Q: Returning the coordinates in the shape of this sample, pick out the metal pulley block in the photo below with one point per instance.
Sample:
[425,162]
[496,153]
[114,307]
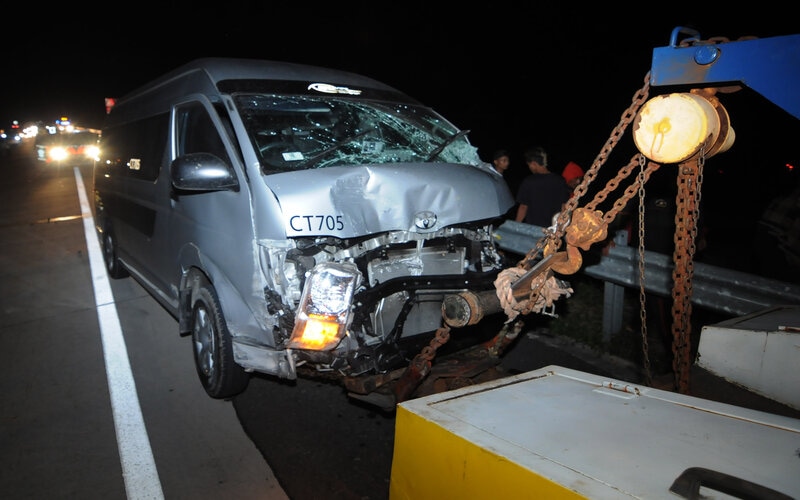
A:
[586,228]
[673,128]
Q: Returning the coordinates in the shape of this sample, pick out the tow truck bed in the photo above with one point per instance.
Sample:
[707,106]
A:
[561,433]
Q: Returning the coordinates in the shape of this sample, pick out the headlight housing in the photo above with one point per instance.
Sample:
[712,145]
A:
[325,306]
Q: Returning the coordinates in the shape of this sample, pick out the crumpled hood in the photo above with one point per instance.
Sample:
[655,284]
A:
[354,201]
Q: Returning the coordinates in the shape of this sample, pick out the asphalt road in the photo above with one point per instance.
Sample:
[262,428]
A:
[62,434]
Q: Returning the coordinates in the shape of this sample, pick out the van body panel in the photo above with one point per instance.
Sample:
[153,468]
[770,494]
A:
[139,221]
[328,213]
[350,202]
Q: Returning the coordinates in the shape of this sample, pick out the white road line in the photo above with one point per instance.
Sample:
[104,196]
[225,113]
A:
[138,466]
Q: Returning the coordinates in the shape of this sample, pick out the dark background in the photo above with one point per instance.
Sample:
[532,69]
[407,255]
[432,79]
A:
[515,74]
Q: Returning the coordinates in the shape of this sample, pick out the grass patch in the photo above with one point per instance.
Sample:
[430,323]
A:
[580,317]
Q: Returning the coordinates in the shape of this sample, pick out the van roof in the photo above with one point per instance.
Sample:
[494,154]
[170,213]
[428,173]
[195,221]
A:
[219,69]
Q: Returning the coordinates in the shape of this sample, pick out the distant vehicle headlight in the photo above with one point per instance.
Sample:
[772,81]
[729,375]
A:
[58,153]
[92,152]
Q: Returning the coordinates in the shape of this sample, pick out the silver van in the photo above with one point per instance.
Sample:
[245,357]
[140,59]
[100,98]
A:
[294,219]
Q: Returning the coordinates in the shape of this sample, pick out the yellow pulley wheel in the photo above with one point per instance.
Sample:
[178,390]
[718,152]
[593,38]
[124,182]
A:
[672,128]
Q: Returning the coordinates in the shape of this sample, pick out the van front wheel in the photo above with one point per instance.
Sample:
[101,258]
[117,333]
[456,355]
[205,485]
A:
[213,347]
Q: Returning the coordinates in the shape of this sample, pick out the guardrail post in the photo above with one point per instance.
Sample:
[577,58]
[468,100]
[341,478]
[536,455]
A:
[614,297]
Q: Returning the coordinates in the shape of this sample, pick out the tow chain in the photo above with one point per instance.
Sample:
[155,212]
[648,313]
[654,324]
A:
[687,214]
[420,366]
[584,226]
[648,377]
[587,225]
[552,239]
[422,361]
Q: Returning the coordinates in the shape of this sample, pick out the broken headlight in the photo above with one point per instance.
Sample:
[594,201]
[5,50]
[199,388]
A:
[325,306]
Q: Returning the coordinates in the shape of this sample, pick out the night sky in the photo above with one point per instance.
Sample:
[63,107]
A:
[515,74]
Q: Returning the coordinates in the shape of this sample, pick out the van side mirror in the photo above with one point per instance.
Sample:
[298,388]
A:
[202,172]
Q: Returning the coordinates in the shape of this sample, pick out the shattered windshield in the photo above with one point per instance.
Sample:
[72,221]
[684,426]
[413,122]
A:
[300,132]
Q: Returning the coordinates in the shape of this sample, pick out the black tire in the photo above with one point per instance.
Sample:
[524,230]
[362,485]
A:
[213,347]
[114,267]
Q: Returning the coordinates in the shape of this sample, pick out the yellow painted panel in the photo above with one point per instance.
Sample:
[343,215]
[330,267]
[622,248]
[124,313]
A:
[424,467]
[565,434]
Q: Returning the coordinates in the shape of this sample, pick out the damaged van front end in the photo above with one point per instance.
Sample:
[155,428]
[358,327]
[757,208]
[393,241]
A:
[368,293]
[387,209]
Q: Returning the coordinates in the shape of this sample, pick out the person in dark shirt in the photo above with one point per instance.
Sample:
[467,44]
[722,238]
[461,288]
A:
[542,194]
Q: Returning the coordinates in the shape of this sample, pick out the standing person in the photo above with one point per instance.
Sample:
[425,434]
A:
[501,161]
[573,175]
[543,193]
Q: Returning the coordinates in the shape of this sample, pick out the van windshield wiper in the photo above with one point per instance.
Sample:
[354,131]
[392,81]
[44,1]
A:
[436,152]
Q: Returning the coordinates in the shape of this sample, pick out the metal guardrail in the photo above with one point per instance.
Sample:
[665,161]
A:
[714,288]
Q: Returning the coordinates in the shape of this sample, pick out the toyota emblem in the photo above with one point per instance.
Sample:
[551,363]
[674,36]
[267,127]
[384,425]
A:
[425,220]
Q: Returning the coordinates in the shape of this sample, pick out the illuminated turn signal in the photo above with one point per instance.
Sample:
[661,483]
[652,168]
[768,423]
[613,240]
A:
[316,332]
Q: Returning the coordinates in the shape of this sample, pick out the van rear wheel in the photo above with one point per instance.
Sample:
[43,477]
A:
[213,346]
[114,267]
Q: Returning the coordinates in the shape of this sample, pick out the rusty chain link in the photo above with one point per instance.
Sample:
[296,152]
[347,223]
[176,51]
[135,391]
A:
[642,291]
[552,239]
[423,360]
[687,214]
[689,181]
[629,192]
[690,178]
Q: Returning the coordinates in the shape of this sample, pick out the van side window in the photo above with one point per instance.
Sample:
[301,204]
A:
[136,149]
[196,132]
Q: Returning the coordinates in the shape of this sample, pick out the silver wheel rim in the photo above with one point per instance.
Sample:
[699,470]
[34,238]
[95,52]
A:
[108,250]
[204,341]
